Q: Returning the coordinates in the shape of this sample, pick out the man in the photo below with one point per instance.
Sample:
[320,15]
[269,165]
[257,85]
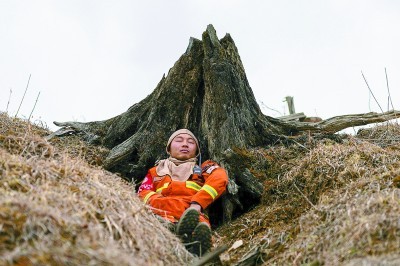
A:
[179,190]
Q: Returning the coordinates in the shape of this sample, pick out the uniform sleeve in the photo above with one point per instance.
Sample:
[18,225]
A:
[216,180]
[146,190]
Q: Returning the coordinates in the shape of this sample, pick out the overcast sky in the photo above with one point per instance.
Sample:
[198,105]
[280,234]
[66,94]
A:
[92,60]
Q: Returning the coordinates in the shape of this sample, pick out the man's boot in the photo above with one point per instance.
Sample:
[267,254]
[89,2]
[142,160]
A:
[202,239]
[187,223]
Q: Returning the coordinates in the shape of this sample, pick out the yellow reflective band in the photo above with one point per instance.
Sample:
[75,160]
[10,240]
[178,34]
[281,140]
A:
[148,196]
[193,185]
[210,190]
[161,188]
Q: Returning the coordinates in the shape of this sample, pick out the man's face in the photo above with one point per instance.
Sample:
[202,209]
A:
[183,147]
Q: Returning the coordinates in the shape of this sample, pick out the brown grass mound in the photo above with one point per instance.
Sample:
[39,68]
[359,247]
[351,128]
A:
[59,210]
[325,203]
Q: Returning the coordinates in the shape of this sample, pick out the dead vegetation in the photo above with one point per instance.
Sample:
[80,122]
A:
[326,202]
[56,209]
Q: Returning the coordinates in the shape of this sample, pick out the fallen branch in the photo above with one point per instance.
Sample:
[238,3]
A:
[208,257]
[337,123]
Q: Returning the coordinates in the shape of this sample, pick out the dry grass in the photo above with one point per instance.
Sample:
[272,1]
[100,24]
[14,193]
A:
[355,210]
[384,135]
[325,203]
[56,209]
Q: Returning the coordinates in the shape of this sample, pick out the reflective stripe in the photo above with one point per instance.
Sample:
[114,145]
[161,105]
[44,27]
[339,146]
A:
[212,168]
[161,188]
[148,196]
[193,185]
[210,190]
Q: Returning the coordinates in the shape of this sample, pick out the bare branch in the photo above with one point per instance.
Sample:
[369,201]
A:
[27,85]
[34,106]
[371,92]
[389,96]
[8,103]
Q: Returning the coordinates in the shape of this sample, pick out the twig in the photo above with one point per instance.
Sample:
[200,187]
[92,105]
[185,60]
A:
[304,147]
[294,184]
[34,106]
[27,85]
[251,257]
[142,207]
[263,105]
[210,256]
[371,91]
[389,96]
[8,103]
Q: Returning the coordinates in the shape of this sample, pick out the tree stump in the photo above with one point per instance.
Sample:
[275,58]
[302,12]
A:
[206,91]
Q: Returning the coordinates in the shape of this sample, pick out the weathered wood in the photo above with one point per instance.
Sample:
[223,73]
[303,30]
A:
[210,256]
[290,102]
[292,117]
[61,132]
[337,123]
[251,186]
[311,119]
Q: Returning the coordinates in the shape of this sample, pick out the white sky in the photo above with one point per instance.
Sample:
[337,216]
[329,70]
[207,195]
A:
[92,60]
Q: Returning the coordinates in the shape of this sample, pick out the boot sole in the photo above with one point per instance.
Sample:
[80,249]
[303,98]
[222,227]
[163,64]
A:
[187,223]
[201,239]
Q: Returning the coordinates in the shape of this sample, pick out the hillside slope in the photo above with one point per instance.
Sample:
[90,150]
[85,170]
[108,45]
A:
[326,202]
[57,209]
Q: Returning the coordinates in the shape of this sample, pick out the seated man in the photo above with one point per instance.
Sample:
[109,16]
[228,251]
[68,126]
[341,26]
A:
[179,190]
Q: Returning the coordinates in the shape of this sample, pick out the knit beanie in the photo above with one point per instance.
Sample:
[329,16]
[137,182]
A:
[183,131]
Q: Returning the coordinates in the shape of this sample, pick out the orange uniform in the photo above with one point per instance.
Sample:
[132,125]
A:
[169,198]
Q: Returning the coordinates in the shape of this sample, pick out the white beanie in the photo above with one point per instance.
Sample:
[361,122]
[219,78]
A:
[182,131]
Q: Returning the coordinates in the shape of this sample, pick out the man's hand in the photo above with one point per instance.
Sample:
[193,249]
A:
[195,206]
